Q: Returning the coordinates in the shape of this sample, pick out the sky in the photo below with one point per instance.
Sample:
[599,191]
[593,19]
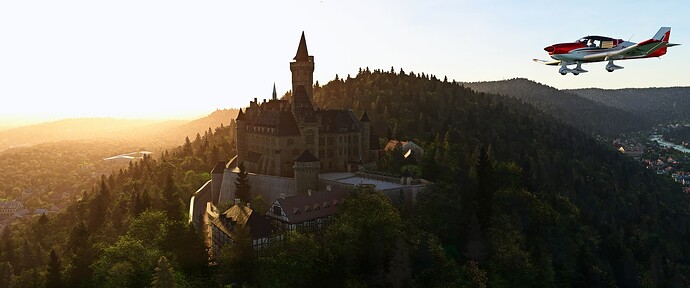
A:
[183,59]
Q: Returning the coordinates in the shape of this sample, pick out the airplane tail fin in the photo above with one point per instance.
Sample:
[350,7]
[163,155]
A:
[663,34]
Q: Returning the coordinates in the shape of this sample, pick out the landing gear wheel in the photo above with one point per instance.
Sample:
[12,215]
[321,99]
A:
[576,73]
[610,70]
[563,73]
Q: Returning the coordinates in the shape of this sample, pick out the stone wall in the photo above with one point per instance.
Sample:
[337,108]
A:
[269,187]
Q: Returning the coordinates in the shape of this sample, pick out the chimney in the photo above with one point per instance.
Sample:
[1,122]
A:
[281,195]
[238,201]
[309,192]
[249,205]
[328,188]
[255,100]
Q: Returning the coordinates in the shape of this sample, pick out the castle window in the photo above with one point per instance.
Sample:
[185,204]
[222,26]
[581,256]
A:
[355,138]
[321,141]
[330,140]
[290,141]
[310,137]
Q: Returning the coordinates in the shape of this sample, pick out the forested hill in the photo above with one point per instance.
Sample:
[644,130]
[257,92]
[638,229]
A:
[660,104]
[586,114]
[519,200]
[554,207]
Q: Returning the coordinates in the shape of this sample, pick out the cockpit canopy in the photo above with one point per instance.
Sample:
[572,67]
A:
[599,41]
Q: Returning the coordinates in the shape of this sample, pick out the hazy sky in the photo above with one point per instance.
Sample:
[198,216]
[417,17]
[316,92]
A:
[155,59]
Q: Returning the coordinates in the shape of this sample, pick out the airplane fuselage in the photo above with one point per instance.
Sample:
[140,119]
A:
[579,52]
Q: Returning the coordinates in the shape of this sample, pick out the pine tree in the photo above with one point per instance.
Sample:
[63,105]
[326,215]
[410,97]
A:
[80,246]
[98,206]
[475,249]
[5,274]
[173,203]
[163,277]
[145,201]
[27,257]
[54,270]
[242,187]
[485,189]
[187,148]
[8,247]
[238,259]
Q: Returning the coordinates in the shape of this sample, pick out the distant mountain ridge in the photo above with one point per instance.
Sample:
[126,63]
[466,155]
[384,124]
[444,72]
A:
[663,105]
[170,132]
[582,112]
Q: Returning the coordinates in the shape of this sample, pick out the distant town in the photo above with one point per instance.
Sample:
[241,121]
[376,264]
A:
[658,153]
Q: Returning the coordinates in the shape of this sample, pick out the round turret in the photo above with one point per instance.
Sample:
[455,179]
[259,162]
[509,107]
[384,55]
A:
[306,168]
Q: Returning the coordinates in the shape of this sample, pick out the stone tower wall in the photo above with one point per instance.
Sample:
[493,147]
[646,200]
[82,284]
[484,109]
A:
[303,74]
[306,176]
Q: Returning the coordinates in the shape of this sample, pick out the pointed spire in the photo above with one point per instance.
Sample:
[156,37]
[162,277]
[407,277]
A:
[302,53]
[240,115]
[275,95]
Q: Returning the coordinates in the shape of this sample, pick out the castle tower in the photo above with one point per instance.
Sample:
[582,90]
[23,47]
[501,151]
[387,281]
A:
[306,172]
[303,69]
[241,132]
[366,137]
[275,95]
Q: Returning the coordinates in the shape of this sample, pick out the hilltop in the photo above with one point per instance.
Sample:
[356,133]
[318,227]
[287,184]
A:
[584,113]
[661,105]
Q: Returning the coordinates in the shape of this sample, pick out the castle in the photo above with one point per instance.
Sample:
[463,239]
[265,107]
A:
[293,138]
[301,159]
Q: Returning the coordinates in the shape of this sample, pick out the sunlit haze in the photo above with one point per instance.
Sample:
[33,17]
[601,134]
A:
[181,59]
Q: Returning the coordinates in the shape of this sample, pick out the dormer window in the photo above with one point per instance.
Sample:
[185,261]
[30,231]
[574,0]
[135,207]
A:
[307,208]
[295,211]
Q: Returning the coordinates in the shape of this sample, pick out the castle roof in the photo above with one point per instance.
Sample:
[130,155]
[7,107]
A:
[306,156]
[287,126]
[319,204]
[301,105]
[302,53]
[242,215]
[273,114]
[338,121]
[365,117]
[240,115]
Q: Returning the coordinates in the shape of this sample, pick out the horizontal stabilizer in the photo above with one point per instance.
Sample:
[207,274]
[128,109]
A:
[551,63]
[671,44]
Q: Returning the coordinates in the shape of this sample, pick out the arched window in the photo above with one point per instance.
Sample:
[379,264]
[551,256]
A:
[310,137]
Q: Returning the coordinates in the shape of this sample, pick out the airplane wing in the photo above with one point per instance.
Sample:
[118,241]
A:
[550,63]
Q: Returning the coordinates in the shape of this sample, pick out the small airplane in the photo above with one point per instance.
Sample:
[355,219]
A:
[600,48]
